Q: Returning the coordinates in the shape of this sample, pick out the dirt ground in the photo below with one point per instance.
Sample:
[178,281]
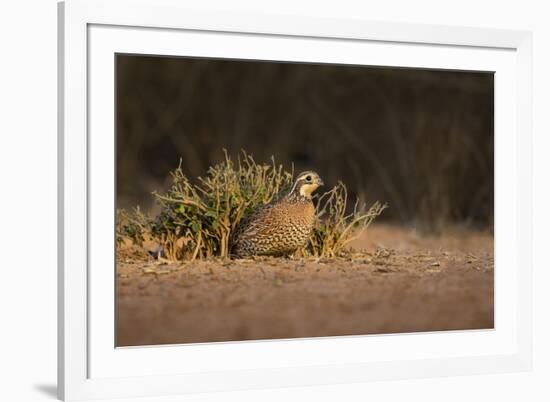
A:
[399,282]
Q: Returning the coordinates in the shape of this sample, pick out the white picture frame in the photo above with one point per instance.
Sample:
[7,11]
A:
[91,32]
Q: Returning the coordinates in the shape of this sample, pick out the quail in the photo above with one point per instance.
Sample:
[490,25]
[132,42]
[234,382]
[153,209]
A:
[282,227]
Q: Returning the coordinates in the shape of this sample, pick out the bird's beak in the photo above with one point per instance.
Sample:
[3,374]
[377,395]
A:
[320,182]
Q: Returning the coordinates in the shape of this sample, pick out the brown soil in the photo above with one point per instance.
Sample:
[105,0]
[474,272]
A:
[400,282]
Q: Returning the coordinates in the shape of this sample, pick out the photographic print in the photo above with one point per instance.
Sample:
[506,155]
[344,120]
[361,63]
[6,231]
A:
[263,200]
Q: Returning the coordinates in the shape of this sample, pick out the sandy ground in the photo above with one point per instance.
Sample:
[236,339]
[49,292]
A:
[400,282]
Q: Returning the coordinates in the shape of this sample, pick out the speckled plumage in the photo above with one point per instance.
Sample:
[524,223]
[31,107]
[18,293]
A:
[282,227]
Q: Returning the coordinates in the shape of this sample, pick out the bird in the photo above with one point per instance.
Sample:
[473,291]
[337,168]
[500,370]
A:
[281,227]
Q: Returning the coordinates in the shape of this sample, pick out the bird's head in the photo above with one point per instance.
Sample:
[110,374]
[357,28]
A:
[306,183]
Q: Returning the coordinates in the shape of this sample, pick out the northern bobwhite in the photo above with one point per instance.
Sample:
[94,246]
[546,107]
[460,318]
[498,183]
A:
[282,227]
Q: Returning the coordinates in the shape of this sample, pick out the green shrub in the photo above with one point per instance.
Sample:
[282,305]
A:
[197,219]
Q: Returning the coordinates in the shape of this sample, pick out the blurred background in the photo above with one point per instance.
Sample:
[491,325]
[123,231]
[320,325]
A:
[419,140]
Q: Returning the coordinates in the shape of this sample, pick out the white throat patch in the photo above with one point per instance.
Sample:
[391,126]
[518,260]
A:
[307,189]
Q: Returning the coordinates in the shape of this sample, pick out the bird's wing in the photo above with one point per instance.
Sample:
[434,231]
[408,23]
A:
[257,223]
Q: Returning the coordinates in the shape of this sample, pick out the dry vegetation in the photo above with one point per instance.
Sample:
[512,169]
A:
[420,140]
[197,219]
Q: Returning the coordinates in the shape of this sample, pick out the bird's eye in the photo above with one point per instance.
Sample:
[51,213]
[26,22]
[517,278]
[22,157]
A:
[308,178]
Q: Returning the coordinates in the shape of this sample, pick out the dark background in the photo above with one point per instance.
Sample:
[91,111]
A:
[419,140]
